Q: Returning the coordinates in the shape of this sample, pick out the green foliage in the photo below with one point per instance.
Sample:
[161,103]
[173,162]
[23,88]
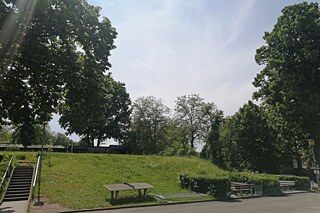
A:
[301,183]
[289,85]
[150,120]
[4,162]
[60,139]
[213,148]
[20,157]
[99,109]
[243,141]
[70,174]
[219,187]
[5,136]
[270,184]
[44,47]
[193,115]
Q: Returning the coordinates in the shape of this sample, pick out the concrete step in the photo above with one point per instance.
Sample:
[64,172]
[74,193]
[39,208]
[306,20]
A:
[8,199]
[18,188]
[25,194]
[18,192]
[22,179]
[19,185]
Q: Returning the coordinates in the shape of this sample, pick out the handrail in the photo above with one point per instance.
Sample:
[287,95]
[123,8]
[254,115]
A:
[36,175]
[5,174]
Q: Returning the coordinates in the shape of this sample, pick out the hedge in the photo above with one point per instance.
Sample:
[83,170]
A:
[219,187]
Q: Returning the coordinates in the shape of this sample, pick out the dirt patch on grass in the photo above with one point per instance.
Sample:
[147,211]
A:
[45,206]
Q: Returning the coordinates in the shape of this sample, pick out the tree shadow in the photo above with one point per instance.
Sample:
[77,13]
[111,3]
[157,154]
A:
[131,200]
[6,210]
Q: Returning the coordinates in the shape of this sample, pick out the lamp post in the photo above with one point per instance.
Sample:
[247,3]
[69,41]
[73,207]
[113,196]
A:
[314,164]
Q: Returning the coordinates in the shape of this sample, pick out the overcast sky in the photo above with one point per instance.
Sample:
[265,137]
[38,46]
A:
[170,48]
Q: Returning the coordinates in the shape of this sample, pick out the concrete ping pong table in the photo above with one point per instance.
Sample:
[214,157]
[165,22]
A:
[115,188]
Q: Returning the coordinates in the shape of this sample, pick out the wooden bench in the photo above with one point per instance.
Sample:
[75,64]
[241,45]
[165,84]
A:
[116,188]
[286,184]
[240,188]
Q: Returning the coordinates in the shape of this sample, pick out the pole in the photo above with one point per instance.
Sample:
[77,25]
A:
[316,169]
[40,166]
[39,177]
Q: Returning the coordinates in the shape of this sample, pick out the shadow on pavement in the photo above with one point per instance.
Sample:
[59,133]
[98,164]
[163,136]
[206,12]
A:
[6,210]
[128,200]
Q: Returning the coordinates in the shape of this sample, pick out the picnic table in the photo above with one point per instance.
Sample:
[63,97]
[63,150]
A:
[116,188]
[239,187]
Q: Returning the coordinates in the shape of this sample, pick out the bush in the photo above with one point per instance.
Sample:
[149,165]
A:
[20,157]
[12,148]
[219,187]
[270,184]
[301,183]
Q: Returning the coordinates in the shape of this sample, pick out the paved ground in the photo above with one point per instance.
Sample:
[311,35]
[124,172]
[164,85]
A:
[293,203]
[14,206]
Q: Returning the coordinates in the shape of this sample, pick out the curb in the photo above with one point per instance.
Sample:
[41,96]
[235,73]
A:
[131,207]
[176,203]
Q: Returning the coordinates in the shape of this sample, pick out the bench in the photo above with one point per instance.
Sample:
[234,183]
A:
[286,184]
[116,188]
[240,188]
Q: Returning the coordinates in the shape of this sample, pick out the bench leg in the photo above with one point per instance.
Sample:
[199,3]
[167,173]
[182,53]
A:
[145,192]
[117,192]
[112,193]
[139,192]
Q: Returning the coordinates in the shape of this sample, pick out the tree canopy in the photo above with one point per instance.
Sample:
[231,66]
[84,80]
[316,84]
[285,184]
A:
[44,48]
[149,125]
[193,115]
[289,82]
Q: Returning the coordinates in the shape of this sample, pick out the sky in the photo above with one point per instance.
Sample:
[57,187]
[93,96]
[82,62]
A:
[170,48]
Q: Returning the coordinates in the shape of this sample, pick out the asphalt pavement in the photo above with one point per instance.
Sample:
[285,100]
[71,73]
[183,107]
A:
[293,203]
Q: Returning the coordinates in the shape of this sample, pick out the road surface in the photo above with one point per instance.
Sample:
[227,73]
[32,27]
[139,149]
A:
[293,203]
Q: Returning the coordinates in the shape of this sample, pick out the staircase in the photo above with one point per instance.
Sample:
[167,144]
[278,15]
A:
[20,183]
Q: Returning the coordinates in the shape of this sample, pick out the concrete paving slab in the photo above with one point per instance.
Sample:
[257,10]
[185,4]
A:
[14,206]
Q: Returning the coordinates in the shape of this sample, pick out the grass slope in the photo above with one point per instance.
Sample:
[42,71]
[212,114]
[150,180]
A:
[76,180]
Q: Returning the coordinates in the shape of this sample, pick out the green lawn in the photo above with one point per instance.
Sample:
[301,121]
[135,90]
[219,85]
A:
[76,180]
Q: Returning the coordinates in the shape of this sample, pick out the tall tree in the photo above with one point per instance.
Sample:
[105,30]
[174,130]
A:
[193,114]
[43,45]
[253,140]
[289,82]
[149,124]
[213,147]
[97,109]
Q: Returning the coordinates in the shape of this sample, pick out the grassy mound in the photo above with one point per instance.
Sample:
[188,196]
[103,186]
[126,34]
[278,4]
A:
[76,180]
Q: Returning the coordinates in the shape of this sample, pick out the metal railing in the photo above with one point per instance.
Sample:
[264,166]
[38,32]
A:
[6,173]
[36,176]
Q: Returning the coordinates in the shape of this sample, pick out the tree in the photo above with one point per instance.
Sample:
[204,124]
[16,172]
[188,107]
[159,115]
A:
[30,134]
[97,109]
[60,139]
[193,115]
[149,123]
[44,45]
[177,142]
[213,145]
[289,83]
[244,141]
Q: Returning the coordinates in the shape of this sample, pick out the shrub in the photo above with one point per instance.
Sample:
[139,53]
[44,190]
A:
[20,157]
[219,187]
[301,183]
[13,148]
